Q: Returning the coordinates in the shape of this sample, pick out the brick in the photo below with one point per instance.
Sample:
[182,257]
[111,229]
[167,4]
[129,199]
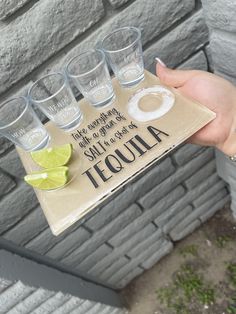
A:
[8,7]
[7,184]
[27,228]
[4,283]
[150,179]
[220,14]
[110,211]
[139,224]
[85,306]
[156,237]
[190,222]
[113,268]
[95,257]
[148,216]
[31,302]
[48,27]
[117,311]
[111,310]
[230,170]
[118,3]
[152,19]
[178,234]
[16,205]
[223,45]
[57,247]
[209,57]
[169,222]
[124,248]
[221,164]
[97,308]
[201,174]
[181,174]
[165,249]
[220,204]
[42,242]
[11,163]
[132,191]
[67,307]
[206,206]
[129,277]
[186,153]
[197,62]
[209,193]
[183,202]
[5,144]
[159,192]
[51,304]
[103,235]
[14,294]
[181,42]
[70,242]
[146,254]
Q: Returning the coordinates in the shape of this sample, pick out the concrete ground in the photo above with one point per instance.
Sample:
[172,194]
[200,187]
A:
[198,277]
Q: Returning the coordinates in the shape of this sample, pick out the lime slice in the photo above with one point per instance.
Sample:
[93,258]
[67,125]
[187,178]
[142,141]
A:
[53,156]
[48,179]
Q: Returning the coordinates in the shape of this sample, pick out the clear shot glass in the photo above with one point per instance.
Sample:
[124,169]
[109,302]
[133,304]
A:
[89,73]
[54,97]
[20,124]
[123,50]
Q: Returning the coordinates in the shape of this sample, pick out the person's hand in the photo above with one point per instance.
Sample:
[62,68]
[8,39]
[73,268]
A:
[215,93]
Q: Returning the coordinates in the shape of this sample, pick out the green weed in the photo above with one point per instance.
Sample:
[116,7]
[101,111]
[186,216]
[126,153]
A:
[232,273]
[222,241]
[189,250]
[187,287]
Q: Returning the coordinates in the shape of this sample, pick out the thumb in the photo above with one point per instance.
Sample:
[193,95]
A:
[174,78]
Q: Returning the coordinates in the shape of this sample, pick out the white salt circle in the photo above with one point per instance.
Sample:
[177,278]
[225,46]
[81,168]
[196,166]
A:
[168,100]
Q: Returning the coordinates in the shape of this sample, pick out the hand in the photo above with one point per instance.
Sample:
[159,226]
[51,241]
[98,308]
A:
[215,93]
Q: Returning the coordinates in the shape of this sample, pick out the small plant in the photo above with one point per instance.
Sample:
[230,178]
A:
[189,250]
[222,241]
[187,287]
[192,285]
[168,297]
[231,309]
[232,273]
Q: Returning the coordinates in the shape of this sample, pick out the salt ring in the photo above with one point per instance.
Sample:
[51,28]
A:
[168,100]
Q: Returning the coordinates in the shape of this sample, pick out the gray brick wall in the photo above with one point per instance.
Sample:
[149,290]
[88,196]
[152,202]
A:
[220,18]
[17,297]
[140,225]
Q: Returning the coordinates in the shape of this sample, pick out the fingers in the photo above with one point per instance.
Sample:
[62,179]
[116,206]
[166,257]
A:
[174,78]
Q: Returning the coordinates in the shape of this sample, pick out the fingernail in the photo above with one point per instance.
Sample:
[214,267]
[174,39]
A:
[161,62]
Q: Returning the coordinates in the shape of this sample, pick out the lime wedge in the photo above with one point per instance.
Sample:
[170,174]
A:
[48,179]
[53,156]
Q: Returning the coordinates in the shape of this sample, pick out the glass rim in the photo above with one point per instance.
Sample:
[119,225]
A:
[135,29]
[22,113]
[81,54]
[53,95]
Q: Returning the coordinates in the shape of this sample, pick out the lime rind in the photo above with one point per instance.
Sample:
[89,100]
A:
[48,179]
[53,156]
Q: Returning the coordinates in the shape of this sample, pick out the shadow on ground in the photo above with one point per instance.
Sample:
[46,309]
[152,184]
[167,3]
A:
[198,277]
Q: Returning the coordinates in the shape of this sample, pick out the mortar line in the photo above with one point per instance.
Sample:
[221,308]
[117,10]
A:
[172,27]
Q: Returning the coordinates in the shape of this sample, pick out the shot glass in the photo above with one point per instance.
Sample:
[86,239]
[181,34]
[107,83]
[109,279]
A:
[89,73]
[54,97]
[20,124]
[123,50]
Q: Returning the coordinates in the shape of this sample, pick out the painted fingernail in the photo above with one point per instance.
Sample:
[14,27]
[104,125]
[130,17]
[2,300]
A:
[161,62]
